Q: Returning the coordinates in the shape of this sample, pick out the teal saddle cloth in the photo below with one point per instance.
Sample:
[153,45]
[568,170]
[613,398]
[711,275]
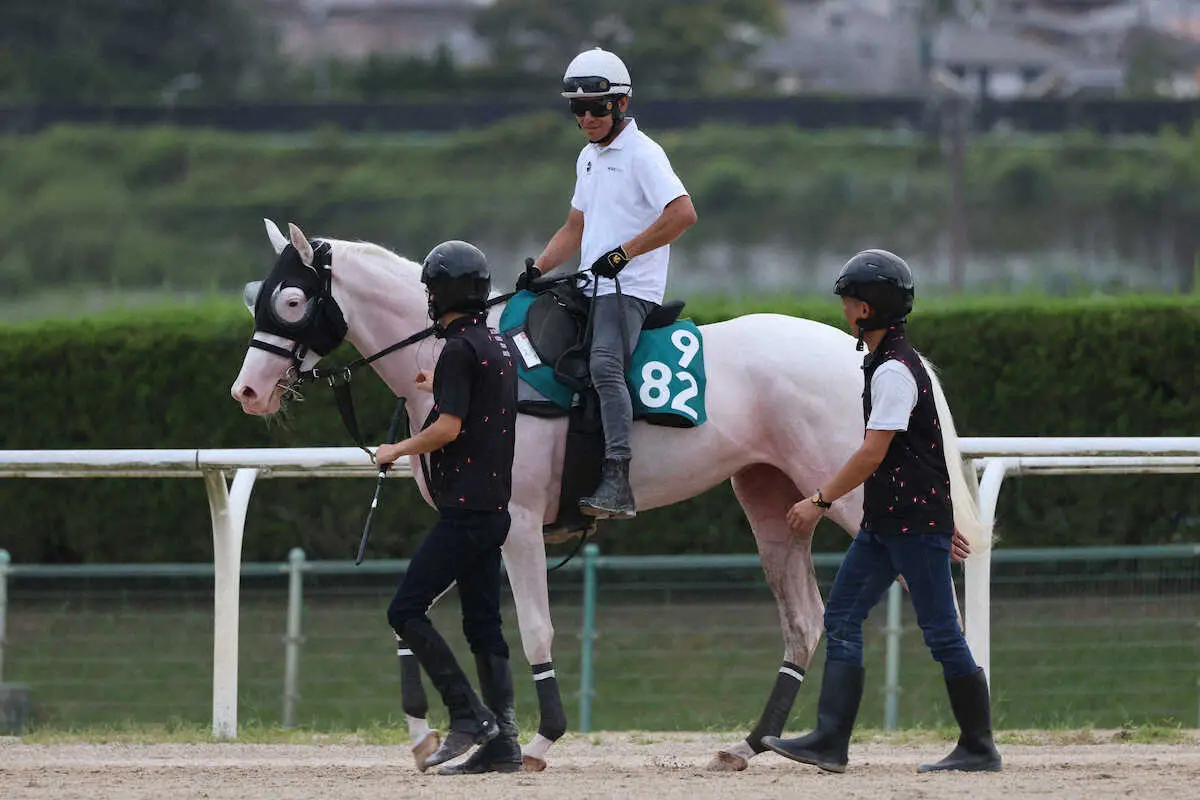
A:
[665,376]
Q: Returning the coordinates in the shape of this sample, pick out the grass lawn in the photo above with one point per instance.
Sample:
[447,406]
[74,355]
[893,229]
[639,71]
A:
[692,658]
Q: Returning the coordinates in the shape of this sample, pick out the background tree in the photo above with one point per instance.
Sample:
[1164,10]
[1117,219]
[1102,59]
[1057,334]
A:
[131,50]
[670,47]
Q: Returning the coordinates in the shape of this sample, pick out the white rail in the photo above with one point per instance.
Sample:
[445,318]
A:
[992,458]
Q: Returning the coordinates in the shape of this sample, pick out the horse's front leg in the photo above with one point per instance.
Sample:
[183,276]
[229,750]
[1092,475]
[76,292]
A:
[425,740]
[765,494]
[525,562]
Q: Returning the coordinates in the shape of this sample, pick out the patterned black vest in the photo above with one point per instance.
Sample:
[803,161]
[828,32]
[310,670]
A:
[910,491]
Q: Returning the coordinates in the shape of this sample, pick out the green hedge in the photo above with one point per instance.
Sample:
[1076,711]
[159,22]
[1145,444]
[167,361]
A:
[1011,367]
[180,209]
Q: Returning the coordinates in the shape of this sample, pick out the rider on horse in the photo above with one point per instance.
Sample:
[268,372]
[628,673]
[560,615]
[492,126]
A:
[627,208]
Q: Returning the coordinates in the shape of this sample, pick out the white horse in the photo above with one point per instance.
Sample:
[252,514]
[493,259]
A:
[783,403]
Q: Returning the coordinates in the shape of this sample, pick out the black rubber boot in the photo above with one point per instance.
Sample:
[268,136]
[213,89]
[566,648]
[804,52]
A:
[975,751]
[471,722]
[502,754]
[828,746]
[613,499]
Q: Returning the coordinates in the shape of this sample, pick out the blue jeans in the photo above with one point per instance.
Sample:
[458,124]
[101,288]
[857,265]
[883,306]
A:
[871,565]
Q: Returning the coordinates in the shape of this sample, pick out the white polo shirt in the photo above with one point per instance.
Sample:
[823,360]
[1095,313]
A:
[622,188]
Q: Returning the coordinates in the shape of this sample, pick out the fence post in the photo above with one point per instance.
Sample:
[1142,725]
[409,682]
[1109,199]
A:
[891,689]
[227,508]
[293,639]
[4,562]
[588,634]
[978,572]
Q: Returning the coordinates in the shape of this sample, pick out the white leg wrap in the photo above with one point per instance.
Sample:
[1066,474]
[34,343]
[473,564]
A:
[538,746]
[418,728]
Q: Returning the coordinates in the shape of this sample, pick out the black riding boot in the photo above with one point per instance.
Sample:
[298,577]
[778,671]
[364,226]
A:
[502,754]
[471,722]
[613,499]
[975,751]
[828,746]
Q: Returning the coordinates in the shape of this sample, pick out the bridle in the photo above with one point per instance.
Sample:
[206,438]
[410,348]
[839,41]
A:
[320,309]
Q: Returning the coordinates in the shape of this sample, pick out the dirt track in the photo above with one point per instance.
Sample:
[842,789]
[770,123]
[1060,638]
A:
[657,766]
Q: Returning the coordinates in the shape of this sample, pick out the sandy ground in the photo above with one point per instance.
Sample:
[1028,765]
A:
[657,766]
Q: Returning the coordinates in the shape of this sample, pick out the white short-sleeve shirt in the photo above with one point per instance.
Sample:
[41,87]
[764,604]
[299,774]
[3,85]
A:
[622,188]
[893,397]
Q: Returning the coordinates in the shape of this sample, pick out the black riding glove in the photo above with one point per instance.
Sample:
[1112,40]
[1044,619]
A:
[526,278]
[612,262]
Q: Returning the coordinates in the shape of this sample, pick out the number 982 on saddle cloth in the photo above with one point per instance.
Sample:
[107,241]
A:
[665,376]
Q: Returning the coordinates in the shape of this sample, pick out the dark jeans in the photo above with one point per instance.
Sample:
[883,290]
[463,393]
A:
[871,565]
[610,354]
[464,546]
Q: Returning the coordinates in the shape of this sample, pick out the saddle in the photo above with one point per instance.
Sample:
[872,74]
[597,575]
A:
[557,328]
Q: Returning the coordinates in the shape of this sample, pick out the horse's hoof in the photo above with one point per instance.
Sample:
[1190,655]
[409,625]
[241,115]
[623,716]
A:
[425,747]
[532,764]
[725,761]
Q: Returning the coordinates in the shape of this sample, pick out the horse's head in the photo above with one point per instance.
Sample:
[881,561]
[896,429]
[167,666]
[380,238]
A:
[296,320]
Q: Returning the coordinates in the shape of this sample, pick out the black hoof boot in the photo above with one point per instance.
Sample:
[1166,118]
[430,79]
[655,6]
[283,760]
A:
[458,742]
[503,753]
[828,746]
[471,722]
[613,498]
[976,750]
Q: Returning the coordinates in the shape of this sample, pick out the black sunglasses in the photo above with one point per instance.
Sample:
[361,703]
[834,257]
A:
[599,106]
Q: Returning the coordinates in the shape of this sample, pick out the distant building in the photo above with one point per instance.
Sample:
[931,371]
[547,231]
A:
[354,29]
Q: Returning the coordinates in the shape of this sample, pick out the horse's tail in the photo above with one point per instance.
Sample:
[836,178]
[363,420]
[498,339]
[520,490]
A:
[963,492]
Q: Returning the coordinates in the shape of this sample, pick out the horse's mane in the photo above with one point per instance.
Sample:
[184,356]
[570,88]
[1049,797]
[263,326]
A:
[392,260]
[372,251]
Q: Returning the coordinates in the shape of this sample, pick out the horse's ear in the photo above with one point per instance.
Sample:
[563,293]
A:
[278,240]
[300,242]
[250,295]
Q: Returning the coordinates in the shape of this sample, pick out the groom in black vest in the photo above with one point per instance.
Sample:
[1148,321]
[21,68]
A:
[907,529]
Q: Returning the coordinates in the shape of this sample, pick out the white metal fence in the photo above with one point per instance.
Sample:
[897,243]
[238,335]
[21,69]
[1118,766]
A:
[994,458]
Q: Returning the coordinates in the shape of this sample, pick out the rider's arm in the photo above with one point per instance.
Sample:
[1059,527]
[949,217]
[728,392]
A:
[677,217]
[563,244]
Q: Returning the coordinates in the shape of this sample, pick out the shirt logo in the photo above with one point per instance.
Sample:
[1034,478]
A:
[588,169]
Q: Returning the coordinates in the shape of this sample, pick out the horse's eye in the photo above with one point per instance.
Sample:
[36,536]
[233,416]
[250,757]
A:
[291,305]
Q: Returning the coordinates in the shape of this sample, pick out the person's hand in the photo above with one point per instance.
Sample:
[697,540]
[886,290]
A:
[424,381]
[802,518]
[526,278]
[386,454]
[960,547]
[609,264]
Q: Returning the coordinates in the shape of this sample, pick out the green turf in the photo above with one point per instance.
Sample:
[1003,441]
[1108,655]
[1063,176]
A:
[685,659]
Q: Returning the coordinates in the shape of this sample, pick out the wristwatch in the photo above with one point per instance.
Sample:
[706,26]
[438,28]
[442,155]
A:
[819,501]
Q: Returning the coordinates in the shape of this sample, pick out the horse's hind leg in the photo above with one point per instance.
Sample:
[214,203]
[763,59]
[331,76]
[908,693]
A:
[766,494]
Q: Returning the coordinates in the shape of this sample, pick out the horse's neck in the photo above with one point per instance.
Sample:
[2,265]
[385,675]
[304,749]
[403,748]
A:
[384,304]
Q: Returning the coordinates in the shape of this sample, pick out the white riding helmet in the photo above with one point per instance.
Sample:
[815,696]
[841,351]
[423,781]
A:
[596,73]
